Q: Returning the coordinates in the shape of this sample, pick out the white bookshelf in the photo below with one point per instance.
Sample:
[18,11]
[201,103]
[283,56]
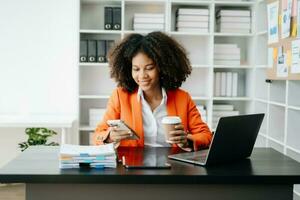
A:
[278,99]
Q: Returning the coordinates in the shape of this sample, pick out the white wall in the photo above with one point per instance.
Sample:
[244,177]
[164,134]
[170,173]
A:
[38,61]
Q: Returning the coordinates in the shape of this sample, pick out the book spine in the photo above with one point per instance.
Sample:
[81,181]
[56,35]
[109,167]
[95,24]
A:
[223,83]
[234,19]
[229,84]
[192,24]
[191,11]
[148,26]
[149,15]
[192,18]
[233,25]
[234,84]
[148,20]
[237,13]
[199,30]
[218,84]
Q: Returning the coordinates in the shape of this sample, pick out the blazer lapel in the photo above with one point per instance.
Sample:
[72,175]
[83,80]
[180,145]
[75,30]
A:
[171,103]
[137,117]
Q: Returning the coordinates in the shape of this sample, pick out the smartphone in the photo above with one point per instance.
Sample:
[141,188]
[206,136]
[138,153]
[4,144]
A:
[121,125]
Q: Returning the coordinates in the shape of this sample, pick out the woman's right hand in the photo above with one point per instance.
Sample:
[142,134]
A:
[116,135]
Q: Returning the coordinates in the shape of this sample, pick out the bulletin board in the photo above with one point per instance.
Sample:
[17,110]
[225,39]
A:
[282,52]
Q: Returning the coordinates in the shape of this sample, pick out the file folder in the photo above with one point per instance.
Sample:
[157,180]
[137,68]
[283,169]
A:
[83,50]
[101,52]
[108,18]
[116,18]
[92,50]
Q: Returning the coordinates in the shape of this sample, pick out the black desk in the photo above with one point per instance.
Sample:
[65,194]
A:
[266,175]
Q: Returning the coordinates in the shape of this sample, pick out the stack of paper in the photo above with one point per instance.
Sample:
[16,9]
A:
[233,21]
[222,110]
[227,54]
[226,84]
[148,22]
[192,20]
[75,156]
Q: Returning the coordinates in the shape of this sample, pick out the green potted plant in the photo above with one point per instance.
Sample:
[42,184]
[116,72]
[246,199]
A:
[37,136]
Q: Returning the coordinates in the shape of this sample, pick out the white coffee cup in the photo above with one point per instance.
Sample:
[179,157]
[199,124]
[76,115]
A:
[169,123]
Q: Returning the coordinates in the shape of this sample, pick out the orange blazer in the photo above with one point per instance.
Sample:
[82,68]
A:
[126,106]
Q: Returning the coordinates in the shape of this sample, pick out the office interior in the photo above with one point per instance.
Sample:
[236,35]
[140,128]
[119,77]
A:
[45,83]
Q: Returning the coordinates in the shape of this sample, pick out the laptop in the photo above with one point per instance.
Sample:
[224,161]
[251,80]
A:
[233,139]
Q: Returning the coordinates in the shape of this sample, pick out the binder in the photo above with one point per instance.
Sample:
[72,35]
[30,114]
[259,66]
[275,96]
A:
[92,44]
[83,50]
[101,51]
[108,18]
[116,18]
[109,45]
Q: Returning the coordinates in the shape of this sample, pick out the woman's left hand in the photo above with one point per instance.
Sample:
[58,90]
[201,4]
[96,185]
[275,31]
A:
[178,136]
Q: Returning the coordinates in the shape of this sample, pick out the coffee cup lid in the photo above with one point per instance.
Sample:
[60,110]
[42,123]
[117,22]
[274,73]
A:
[171,120]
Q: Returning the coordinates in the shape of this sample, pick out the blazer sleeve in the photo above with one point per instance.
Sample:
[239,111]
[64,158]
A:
[199,132]
[112,112]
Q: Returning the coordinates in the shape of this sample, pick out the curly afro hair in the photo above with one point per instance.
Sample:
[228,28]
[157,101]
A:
[167,54]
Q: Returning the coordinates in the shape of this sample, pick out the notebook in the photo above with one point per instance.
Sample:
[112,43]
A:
[233,140]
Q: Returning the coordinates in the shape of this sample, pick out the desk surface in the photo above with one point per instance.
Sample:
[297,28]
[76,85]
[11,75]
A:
[40,165]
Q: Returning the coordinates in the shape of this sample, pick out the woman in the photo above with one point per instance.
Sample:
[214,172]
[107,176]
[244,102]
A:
[149,71]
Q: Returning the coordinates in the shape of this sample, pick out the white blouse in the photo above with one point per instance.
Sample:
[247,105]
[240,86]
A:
[154,134]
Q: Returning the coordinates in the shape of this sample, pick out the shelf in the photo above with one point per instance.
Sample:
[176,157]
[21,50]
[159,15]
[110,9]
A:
[261,66]
[273,140]
[294,108]
[277,104]
[201,66]
[233,98]
[135,2]
[93,64]
[94,97]
[260,33]
[261,100]
[86,128]
[234,66]
[234,3]
[234,34]
[190,33]
[94,31]
[200,98]
[191,2]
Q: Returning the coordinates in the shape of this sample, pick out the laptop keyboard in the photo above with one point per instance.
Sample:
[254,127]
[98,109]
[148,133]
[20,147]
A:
[200,156]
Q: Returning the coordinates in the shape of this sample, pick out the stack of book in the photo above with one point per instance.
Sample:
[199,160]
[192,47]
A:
[76,156]
[95,116]
[202,111]
[148,22]
[192,20]
[227,54]
[226,84]
[222,110]
[233,21]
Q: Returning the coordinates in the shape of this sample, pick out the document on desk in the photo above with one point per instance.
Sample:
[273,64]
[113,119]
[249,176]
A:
[81,150]
[76,156]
